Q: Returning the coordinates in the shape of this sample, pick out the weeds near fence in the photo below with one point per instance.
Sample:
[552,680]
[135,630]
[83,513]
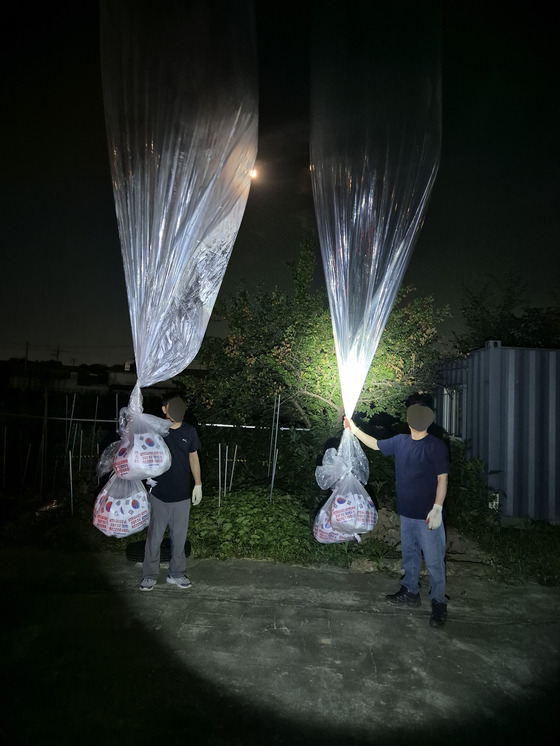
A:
[250,523]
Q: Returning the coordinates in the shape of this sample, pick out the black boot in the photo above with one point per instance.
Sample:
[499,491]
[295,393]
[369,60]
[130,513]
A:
[403,598]
[439,614]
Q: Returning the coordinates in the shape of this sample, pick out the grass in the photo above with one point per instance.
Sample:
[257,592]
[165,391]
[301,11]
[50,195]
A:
[530,552]
[248,524]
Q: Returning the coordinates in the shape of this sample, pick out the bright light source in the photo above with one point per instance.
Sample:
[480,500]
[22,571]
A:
[253,173]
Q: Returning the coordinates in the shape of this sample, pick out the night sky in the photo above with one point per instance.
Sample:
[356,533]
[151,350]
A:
[494,208]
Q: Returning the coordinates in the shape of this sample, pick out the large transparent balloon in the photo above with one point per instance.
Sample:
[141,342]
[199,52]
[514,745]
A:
[375,147]
[181,109]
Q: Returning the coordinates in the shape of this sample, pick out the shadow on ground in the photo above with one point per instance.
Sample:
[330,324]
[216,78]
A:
[85,662]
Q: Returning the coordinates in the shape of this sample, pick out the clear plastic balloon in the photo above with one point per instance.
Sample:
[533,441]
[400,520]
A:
[181,110]
[375,147]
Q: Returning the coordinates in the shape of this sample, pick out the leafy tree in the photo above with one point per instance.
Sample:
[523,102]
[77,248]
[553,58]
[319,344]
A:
[407,357]
[279,343]
[498,309]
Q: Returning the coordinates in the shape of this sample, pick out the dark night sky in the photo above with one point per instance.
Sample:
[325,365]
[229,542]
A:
[494,208]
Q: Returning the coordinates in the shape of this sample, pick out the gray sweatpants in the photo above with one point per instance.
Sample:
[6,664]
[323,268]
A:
[176,516]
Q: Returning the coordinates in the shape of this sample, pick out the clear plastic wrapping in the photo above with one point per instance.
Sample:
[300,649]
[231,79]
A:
[181,110]
[349,511]
[375,147]
[141,452]
[337,463]
[121,508]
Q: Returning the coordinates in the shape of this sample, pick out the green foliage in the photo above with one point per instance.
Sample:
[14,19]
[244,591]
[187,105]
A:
[249,524]
[528,553]
[407,356]
[531,553]
[467,502]
[297,452]
[498,309]
[282,344]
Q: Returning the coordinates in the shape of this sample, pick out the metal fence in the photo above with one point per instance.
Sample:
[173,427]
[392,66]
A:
[48,439]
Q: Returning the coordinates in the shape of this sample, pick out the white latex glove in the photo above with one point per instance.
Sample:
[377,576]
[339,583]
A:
[433,519]
[196,494]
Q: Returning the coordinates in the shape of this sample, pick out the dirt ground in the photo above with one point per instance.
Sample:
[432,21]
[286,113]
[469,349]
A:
[258,652]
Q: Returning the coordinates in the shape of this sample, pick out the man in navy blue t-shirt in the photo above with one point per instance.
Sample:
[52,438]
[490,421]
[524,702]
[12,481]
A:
[170,499]
[421,469]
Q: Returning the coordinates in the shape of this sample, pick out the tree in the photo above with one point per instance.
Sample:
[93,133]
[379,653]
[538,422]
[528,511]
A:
[282,344]
[498,309]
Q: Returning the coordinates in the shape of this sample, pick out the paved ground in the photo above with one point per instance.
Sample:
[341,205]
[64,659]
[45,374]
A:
[259,653]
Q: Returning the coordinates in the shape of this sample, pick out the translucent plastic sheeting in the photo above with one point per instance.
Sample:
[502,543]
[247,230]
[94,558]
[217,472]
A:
[181,110]
[141,452]
[338,462]
[121,508]
[349,511]
[375,146]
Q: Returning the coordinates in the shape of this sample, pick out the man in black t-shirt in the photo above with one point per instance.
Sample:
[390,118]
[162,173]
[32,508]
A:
[421,470]
[170,499]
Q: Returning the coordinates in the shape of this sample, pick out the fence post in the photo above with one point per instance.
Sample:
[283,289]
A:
[232,467]
[272,435]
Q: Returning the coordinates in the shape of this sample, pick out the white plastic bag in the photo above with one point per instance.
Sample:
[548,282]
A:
[352,509]
[121,508]
[349,511]
[142,456]
[349,457]
[323,530]
[141,452]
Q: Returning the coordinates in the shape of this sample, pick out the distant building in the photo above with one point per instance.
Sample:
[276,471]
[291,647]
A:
[49,410]
[81,393]
[36,376]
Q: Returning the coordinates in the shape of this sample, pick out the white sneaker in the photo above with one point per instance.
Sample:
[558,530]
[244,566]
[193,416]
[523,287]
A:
[180,582]
[147,584]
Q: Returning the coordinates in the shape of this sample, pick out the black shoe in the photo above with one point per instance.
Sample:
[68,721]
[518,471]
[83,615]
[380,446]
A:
[403,598]
[439,614]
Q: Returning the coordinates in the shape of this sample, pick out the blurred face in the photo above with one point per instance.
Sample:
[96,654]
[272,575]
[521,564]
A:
[419,418]
[174,410]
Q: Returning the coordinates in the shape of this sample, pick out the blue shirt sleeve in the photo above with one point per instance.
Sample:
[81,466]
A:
[441,458]
[387,446]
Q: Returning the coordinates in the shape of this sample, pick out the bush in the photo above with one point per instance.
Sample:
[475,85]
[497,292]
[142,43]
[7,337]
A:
[467,503]
[528,553]
[249,524]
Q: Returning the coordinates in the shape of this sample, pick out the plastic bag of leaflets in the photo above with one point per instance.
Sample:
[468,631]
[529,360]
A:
[121,508]
[349,511]
[141,452]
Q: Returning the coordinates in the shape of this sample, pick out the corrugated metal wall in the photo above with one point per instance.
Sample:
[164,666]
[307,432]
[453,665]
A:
[510,418]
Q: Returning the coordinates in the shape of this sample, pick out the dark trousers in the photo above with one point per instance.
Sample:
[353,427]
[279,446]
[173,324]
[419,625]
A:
[176,516]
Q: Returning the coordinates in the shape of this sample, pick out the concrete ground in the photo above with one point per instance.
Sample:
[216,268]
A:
[261,653]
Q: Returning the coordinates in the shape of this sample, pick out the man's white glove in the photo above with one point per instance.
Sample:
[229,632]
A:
[433,519]
[196,494]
